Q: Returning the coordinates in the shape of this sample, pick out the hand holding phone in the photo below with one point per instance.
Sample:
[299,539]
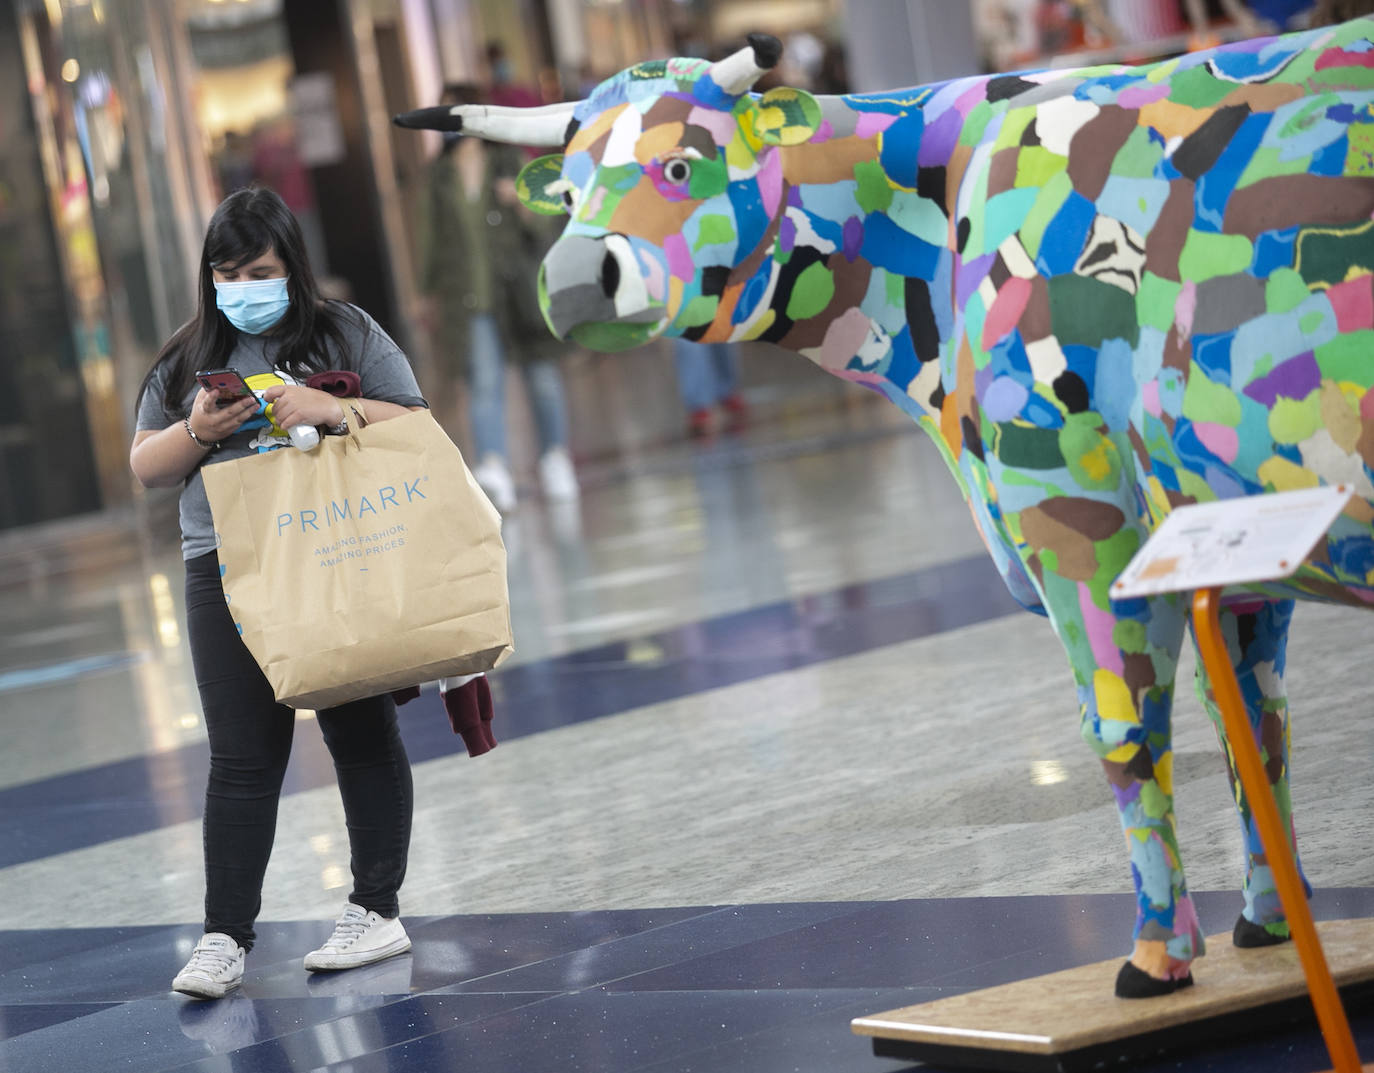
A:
[233,388]
[230,385]
[224,403]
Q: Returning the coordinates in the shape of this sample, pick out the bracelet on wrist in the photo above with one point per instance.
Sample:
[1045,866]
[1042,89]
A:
[341,429]
[202,444]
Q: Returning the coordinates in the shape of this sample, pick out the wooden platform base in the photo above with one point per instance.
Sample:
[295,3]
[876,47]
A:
[1068,1021]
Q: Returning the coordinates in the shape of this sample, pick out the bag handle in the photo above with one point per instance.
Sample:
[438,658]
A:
[356,424]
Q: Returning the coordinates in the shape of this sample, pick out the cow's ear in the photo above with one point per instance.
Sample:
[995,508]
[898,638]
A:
[787,116]
[533,182]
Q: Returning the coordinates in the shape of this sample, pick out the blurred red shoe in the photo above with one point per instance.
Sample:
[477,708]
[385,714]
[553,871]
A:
[699,423]
[736,412]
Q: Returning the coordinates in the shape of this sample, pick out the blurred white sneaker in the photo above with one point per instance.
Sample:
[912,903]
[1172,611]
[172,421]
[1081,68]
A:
[556,474]
[360,938]
[494,477]
[215,968]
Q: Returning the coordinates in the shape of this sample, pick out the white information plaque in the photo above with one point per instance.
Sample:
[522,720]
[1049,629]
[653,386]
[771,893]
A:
[1232,541]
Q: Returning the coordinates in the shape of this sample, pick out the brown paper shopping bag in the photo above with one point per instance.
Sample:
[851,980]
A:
[371,563]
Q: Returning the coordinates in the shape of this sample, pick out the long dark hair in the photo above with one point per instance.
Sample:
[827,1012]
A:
[247,224]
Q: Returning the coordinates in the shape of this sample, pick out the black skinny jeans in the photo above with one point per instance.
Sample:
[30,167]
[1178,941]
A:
[250,742]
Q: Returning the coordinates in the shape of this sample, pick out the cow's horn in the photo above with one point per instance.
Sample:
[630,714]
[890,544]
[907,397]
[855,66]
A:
[544,126]
[738,72]
[441,118]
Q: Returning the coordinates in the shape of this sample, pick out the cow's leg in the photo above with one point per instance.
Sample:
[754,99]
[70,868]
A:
[1256,637]
[1124,657]
[1126,718]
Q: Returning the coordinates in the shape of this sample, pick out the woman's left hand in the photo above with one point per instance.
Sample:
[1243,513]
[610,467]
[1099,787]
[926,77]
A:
[295,404]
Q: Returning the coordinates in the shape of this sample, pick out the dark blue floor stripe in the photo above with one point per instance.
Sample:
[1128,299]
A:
[18,1020]
[94,805]
[764,988]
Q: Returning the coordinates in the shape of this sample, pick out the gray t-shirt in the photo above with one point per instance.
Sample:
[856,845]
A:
[382,367]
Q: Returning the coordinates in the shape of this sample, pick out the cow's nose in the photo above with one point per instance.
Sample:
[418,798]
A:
[574,279]
[610,275]
[594,279]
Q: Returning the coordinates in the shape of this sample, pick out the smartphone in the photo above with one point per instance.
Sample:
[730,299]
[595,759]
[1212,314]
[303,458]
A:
[230,384]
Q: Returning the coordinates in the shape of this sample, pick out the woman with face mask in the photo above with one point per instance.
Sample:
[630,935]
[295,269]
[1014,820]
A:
[260,312]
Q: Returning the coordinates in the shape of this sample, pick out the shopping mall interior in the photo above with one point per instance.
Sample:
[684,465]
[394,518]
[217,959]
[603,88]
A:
[776,748]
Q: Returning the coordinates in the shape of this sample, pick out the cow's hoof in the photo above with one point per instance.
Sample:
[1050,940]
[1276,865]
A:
[1247,935]
[1136,983]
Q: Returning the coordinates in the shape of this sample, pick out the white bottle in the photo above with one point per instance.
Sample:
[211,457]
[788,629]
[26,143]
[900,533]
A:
[306,437]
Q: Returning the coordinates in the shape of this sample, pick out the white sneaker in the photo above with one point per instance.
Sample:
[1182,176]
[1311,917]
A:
[215,968]
[494,477]
[556,474]
[360,938]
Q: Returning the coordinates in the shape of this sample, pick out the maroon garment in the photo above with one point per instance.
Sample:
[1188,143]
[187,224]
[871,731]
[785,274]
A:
[469,713]
[340,383]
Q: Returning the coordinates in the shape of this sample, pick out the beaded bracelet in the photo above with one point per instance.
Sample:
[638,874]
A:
[199,442]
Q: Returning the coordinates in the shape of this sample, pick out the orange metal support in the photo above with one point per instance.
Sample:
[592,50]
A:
[1250,768]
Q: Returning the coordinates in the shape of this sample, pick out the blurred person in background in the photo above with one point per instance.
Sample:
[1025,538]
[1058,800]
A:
[235,163]
[1251,18]
[1328,12]
[480,251]
[503,89]
[276,163]
[708,377]
[1141,21]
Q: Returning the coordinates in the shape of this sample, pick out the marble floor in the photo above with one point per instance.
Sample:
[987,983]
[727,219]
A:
[776,751]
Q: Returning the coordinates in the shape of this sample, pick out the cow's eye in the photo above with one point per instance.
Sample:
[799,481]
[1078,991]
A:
[677,170]
[564,191]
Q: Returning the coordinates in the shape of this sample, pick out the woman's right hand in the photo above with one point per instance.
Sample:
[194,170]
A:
[212,422]
[163,458]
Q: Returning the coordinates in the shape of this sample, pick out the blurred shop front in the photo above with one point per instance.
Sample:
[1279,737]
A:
[131,119]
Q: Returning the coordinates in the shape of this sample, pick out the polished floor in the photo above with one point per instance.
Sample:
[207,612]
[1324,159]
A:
[776,751]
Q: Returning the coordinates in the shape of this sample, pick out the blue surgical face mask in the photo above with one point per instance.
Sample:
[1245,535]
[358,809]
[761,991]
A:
[254,305]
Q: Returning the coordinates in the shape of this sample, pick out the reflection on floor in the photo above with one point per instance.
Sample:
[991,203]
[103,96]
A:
[777,751]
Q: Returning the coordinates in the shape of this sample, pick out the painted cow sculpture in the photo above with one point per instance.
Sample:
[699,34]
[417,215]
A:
[1104,293]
